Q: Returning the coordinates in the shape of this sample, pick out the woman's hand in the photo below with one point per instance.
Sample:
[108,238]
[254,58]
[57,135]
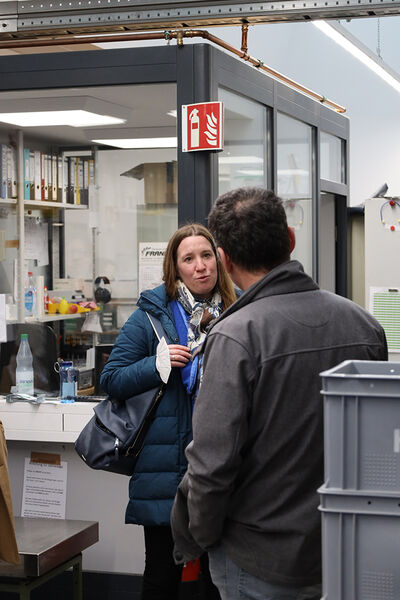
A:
[179,355]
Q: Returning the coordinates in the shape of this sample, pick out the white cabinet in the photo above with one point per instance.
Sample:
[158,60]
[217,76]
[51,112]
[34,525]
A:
[45,422]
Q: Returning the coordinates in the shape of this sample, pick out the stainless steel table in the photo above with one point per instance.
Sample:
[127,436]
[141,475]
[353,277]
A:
[47,547]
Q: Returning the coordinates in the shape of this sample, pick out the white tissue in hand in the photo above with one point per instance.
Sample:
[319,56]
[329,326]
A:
[163,362]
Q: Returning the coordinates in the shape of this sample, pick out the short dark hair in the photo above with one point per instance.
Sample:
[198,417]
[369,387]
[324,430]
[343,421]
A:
[250,225]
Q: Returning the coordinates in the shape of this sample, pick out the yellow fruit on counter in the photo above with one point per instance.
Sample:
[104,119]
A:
[63,307]
[81,309]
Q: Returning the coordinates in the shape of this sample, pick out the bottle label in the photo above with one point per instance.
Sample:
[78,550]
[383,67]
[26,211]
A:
[24,383]
[29,300]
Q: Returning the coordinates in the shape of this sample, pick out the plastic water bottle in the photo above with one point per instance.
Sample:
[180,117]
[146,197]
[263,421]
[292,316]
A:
[24,372]
[30,297]
[68,379]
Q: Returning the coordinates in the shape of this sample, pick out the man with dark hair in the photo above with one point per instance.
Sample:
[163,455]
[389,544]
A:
[252,224]
[249,496]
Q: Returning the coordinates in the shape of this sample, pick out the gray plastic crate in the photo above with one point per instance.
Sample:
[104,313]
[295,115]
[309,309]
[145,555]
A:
[360,546]
[362,426]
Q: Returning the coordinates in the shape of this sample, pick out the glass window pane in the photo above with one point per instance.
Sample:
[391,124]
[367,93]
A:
[332,158]
[128,197]
[243,160]
[132,210]
[136,209]
[327,242]
[294,163]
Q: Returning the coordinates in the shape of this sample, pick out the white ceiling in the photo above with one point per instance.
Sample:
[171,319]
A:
[383,32]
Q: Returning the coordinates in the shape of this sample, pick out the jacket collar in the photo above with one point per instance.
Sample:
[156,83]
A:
[156,302]
[156,297]
[287,278]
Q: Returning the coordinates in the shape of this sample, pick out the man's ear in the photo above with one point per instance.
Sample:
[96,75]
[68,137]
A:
[226,261]
[292,238]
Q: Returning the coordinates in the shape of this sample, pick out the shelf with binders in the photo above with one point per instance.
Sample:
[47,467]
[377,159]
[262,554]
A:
[46,204]
[63,179]
[45,179]
[8,172]
[42,204]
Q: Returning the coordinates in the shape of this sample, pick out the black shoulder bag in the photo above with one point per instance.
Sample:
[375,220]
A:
[114,437]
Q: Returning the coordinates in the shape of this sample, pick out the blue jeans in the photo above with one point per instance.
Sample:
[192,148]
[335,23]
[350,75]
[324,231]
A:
[236,584]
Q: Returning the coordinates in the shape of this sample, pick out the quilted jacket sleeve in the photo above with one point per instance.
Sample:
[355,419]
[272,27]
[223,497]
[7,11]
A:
[131,368]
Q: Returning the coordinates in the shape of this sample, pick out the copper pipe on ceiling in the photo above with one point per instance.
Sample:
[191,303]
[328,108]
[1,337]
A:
[178,35]
[244,48]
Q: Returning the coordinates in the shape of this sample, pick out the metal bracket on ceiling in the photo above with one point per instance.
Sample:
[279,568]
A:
[49,17]
[8,25]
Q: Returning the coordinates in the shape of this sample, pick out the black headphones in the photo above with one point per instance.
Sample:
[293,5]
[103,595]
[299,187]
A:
[102,294]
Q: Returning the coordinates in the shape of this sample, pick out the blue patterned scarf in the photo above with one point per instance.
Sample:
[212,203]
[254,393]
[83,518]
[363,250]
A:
[195,315]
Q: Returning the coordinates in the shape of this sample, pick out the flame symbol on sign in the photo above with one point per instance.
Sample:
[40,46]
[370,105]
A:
[211,132]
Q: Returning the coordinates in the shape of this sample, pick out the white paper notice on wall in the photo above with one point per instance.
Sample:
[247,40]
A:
[151,257]
[45,490]
[384,304]
[37,241]
[3,325]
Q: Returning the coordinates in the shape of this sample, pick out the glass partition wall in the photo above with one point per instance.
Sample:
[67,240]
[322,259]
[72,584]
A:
[98,202]
[274,137]
[294,185]
[243,162]
[281,142]
[333,165]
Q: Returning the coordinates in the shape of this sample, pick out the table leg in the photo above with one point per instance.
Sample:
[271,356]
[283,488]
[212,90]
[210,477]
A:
[77,579]
[24,593]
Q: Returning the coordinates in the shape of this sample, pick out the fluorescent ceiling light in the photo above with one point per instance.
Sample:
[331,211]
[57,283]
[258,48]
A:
[73,118]
[142,143]
[293,172]
[74,111]
[346,40]
[240,160]
[251,172]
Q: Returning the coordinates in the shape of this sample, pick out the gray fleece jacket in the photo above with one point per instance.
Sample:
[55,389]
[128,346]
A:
[256,459]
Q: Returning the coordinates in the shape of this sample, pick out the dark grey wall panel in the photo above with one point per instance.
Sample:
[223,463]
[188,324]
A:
[104,67]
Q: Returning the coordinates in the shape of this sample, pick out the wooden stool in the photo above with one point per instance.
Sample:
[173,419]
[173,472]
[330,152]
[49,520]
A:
[47,547]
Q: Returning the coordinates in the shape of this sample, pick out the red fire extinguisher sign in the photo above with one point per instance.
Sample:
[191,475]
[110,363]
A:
[202,126]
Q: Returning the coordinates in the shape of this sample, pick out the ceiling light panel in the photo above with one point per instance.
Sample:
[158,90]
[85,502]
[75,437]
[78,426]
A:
[139,143]
[75,111]
[73,118]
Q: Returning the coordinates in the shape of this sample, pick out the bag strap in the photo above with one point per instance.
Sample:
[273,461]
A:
[157,327]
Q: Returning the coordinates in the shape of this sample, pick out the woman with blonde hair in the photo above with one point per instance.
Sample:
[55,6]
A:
[195,291]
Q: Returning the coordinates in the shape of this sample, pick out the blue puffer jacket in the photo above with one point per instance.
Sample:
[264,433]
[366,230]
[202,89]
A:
[131,369]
